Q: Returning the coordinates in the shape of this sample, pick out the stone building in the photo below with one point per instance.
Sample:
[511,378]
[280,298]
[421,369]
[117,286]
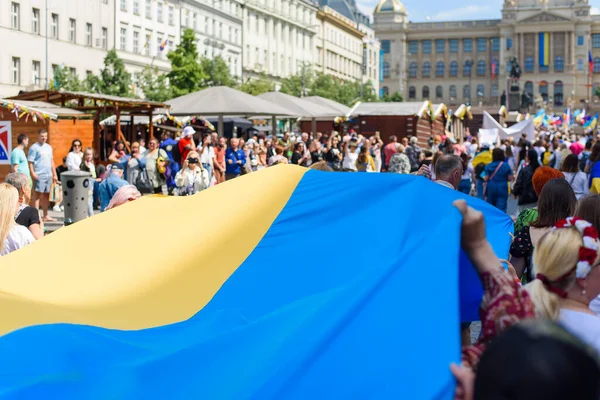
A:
[469,61]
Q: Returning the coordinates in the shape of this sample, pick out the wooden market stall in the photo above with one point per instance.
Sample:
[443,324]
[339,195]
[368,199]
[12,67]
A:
[27,117]
[99,106]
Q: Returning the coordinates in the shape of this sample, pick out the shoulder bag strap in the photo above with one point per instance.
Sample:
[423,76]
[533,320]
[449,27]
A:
[497,168]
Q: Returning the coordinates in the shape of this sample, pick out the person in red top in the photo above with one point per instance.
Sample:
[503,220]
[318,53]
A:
[390,149]
[220,160]
[186,143]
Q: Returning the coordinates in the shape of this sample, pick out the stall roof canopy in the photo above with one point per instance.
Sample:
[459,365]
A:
[388,109]
[222,100]
[322,101]
[300,107]
[52,108]
[79,98]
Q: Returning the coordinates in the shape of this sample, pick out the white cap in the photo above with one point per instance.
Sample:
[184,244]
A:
[188,131]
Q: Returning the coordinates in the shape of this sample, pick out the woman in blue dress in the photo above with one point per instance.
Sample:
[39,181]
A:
[497,176]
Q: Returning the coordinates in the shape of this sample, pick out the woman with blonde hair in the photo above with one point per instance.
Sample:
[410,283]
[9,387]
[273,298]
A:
[12,235]
[568,278]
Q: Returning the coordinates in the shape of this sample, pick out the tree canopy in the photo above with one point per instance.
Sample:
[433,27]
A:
[257,86]
[187,74]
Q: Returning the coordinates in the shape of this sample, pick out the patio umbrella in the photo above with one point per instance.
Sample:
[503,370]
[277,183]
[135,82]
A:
[222,100]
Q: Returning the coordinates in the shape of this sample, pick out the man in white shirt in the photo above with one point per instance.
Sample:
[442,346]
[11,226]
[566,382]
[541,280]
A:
[207,155]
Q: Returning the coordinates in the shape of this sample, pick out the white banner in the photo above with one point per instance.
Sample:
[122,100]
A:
[488,136]
[514,131]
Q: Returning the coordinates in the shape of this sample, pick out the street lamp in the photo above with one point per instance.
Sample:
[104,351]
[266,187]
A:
[469,64]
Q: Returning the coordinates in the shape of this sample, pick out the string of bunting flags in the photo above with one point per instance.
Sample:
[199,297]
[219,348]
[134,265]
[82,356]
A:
[20,111]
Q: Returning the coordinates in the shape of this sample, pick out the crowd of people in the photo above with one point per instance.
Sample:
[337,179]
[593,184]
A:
[540,334]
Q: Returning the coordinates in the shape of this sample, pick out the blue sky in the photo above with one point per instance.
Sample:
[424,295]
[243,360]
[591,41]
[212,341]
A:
[444,10]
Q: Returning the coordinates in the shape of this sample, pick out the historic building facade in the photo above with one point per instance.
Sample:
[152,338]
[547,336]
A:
[469,61]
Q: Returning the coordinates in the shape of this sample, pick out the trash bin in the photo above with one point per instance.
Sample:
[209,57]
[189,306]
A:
[76,189]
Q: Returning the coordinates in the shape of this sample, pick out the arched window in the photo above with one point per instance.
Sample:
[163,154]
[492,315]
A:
[439,69]
[426,70]
[412,70]
[544,90]
[528,88]
[425,92]
[386,69]
[467,92]
[480,91]
[385,91]
[467,68]
[596,65]
[529,64]
[412,93]
[559,64]
[558,93]
[454,68]
[481,68]
[439,92]
[452,92]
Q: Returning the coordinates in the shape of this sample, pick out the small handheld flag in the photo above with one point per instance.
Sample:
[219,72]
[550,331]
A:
[591,61]
[163,45]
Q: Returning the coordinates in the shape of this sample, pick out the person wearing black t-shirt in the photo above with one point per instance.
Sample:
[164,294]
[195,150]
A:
[316,154]
[299,157]
[26,216]
[62,168]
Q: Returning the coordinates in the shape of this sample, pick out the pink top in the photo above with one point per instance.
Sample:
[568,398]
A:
[389,150]
[576,148]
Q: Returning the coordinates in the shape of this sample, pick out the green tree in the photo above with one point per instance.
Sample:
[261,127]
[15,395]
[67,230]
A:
[295,84]
[114,78]
[155,85]
[65,79]
[187,74]
[218,72]
[257,86]
[394,97]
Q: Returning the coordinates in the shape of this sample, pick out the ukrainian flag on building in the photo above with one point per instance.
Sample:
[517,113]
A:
[287,283]
[544,48]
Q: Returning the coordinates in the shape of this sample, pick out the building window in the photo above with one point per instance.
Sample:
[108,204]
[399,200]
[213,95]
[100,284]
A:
[467,45]
[147,44]
[439,92]
[495,90]
[149,9]
[88,34]
[426,46]
[580,40]
[385,46]
[386,70]
[412,93]
[481,45]
[123,5]
[439,69]
[559,64]
[453,45]
[509,43]
[412,70]
[159,12]
[596,65]
[528,88]
[467,92]
[425,92]
[508,66]
[529,64]
[544,90]
[123,39]
[15,76]
[195,21]
[454,68]
[413,47]
[73,71]
[467,67]
[558,93]
[136,7]
[452,92]
[171,16]
[159,45]
[496,45]
[426,69]
[440,46]
[35,20]
[136,42]
[72,30]
[580,64]
[54,26]
[480,91]
[595,42]
[36,68]
[15,16]
[104,38]
[481,68]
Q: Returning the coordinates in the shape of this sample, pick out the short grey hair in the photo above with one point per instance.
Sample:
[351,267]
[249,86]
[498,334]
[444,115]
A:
[414,140]
[17,179]
[446,164]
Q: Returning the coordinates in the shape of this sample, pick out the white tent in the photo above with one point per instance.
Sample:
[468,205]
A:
[514,131]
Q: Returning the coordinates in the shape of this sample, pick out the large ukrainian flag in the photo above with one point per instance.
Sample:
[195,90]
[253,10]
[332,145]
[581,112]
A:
[284,284]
